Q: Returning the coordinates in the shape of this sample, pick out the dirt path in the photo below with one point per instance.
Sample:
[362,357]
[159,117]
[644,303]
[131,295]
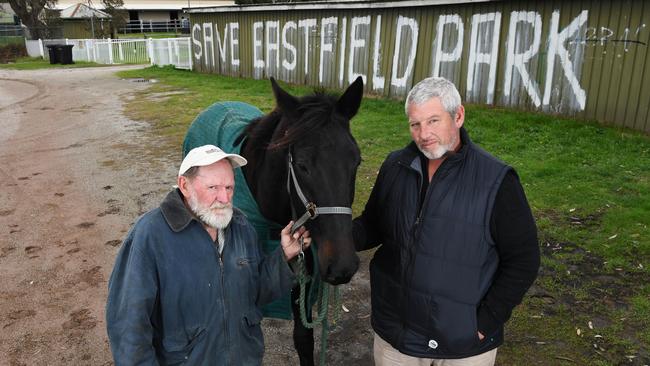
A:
[72,183]
[74,178]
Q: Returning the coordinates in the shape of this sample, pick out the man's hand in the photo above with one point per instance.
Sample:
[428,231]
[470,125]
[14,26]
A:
[291,243]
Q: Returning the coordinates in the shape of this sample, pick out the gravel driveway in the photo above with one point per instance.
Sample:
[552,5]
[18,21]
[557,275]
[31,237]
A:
[75,174]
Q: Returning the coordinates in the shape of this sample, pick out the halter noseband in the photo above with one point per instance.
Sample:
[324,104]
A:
[311,210]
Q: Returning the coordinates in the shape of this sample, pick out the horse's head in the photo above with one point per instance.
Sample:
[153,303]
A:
[314,131]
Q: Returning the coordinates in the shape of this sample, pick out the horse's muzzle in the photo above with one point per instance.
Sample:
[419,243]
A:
[337,271]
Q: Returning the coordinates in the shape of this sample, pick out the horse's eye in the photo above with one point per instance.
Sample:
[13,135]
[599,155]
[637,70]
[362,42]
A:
[302,167]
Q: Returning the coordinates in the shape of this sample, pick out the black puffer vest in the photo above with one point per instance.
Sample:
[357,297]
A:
[435,265]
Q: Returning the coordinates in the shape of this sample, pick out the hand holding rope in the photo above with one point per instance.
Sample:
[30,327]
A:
[294,241]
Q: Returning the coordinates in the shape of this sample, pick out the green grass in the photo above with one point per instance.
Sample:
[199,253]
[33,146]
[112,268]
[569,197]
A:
[33,63]
[11,40]
[588,186]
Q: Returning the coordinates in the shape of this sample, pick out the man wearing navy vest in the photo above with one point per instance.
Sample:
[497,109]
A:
[457,241]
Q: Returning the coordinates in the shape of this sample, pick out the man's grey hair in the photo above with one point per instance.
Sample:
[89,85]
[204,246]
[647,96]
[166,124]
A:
[192,172]
[432,87]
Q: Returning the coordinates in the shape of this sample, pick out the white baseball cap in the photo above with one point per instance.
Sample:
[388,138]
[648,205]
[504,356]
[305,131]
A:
[206,155]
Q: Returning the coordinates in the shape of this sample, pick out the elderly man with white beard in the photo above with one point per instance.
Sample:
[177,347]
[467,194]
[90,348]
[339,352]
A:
[190,278]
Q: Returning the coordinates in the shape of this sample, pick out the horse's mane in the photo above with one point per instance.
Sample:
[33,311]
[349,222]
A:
[316,111]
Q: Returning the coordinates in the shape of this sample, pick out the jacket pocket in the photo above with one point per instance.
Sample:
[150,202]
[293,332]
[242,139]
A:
[253,318]
[176,351]
[247,280]
[246,262]
[252,339]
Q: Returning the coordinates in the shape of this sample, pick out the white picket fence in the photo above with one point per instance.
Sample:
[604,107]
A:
[161,52]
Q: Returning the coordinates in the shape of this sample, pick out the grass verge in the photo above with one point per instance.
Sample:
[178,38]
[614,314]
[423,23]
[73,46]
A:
[33,63]
[588,186]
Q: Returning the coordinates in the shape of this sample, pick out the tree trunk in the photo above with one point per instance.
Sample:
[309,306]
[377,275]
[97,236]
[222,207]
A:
[29,12]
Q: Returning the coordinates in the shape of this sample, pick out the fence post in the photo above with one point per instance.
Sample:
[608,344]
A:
[40,47]
[110,51]
[150,48]
[177,59]
[141,28]
[169,50]
[88,50]
[119,47]
[189,51]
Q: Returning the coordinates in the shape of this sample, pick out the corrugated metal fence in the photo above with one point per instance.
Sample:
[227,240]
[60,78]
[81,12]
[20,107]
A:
[587,59]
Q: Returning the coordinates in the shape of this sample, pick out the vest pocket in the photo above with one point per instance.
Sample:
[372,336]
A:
[451,324]
[385,295]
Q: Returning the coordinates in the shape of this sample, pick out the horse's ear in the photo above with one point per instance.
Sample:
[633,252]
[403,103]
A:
[348,104]
[239,139]
[285,101]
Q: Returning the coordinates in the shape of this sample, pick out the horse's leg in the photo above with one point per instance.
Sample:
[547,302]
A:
[303,337]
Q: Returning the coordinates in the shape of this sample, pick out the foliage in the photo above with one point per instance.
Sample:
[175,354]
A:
[12,40]
[32,13]
[43,22]
[11,51]
[118,20]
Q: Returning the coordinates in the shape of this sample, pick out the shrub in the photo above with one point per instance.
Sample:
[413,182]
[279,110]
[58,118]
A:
[12,51]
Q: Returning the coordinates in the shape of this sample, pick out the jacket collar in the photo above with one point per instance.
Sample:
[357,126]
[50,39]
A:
[177,215]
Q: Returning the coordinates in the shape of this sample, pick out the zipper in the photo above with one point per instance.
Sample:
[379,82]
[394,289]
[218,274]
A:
[416,231]
[225,310]
[409,248]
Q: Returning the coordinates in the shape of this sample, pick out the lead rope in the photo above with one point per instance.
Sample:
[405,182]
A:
[322,299]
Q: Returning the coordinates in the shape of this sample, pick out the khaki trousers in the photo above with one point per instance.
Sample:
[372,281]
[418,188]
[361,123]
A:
[386,355]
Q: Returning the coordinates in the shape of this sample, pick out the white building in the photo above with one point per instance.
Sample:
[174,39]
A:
[6,14]
[153,10]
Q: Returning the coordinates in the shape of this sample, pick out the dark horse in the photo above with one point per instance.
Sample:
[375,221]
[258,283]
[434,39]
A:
[314,132]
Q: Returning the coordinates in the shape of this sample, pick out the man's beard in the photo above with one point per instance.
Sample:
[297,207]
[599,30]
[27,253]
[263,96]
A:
[217,216]
[440,150]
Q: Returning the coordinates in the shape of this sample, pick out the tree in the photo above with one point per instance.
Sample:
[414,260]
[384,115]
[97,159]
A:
[113,8]
[33,16]
[39,19]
